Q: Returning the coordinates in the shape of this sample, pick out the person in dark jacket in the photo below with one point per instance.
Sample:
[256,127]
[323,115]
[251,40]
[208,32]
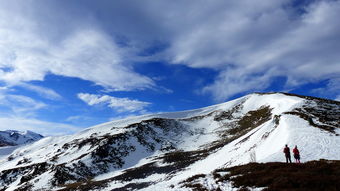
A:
[296,154]
[287,154]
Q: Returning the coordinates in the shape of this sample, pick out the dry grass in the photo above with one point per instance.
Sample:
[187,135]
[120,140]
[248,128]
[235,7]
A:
[320,175]
[315,175]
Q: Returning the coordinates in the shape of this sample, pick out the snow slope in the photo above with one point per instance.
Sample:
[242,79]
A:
[159,151]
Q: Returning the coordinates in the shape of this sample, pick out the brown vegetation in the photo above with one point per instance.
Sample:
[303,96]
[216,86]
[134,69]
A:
[251,120]
[311,176]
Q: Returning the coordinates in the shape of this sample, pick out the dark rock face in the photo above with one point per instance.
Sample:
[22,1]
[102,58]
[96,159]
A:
[323,115]
[25,174]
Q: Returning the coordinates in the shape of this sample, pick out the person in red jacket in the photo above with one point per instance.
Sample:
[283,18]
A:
[287,154]
[296,154]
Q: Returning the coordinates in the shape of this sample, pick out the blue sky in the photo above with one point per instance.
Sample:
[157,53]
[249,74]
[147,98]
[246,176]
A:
[66,65]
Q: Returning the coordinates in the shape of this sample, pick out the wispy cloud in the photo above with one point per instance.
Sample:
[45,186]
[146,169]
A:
[19,112]
[118,104]
[42,91]
[20,105]
[331,90]
[39,126]
[337,98]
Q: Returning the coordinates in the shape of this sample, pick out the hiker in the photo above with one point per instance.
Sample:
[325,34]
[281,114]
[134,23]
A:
[296,154]
[287,154]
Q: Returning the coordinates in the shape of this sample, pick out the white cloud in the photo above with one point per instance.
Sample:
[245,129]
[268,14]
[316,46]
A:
[227,84]
[337,98]
[29,51]
[119,104]
[249,42]
[252,45]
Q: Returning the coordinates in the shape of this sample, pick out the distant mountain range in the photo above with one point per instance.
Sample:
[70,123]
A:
[179,151]
[12,137]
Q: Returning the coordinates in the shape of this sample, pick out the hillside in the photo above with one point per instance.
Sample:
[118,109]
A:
[160,151]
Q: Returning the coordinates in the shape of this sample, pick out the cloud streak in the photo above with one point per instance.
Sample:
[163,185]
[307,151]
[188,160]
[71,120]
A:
[42,91]
[39,126]
[20,105]
[118,104]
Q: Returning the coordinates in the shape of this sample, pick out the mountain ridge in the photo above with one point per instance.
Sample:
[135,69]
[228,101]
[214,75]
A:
[158,151]
[301,96]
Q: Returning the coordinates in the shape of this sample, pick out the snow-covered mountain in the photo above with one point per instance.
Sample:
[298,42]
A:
[160,151]
[13,137]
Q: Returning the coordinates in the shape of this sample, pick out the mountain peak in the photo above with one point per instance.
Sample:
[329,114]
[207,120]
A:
[14,137]
[160,151]
[300,96]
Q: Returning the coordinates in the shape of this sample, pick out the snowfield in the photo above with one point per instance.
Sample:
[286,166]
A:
[160,151]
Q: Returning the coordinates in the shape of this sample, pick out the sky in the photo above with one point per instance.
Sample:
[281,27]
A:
[67,65]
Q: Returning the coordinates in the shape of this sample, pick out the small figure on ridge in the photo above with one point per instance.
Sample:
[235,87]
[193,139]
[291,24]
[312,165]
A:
[287,154]
[296,154]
